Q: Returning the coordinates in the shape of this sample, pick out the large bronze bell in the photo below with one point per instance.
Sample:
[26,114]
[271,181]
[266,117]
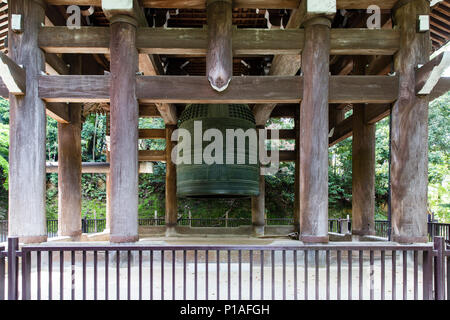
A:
[217,180]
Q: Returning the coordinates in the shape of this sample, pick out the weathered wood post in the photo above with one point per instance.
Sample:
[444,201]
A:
[219,57]
[27,218]
[69,167]
[314,127]
[258,204]
[296,215]
[409,153]
[124,115]
[171,184]
[363,168]
[108,177]
[363,171]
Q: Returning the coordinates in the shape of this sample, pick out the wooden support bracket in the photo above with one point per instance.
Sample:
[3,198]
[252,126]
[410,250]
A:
[13,75]
[429,74]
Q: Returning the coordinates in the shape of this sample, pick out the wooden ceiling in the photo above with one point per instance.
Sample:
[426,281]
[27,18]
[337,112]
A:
[242,18]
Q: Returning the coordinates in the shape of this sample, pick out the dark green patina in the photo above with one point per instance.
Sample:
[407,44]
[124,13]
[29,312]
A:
[218,180]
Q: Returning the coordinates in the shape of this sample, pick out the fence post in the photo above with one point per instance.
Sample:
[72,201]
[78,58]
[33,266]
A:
[84,225]
[26,275]
[427,274]
[439,279]
[13,246]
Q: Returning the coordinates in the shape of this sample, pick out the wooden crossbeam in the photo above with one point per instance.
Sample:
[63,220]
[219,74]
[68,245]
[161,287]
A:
[195,89]
[249,4]
[13,75]
[194,41]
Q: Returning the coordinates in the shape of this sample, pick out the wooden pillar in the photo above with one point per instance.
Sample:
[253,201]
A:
[124,115]
[27,216]
[409,148]
[108,176]
[296,216]
[258,205]
[171,184]
[363,171]
[108,197]
[314,132]
[69,166]
[219,57]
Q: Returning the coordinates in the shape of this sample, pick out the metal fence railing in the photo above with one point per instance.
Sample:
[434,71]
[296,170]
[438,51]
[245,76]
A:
[329,271]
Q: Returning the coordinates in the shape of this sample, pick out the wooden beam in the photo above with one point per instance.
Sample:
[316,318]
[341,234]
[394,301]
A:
[13,76]
[248,4]
[196,89]
[152,134]
[429,74]
[193,41]
[152,155]
[74,88]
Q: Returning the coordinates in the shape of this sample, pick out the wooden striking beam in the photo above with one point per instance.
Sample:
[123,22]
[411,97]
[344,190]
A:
[152,155]
[248,4]
[429,74]
[219,56]
[152,134]
[196,89]
[13,75]
[194,41]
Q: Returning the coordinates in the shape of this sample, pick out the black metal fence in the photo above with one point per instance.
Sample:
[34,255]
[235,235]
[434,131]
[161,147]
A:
[334,225]
[300,272]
